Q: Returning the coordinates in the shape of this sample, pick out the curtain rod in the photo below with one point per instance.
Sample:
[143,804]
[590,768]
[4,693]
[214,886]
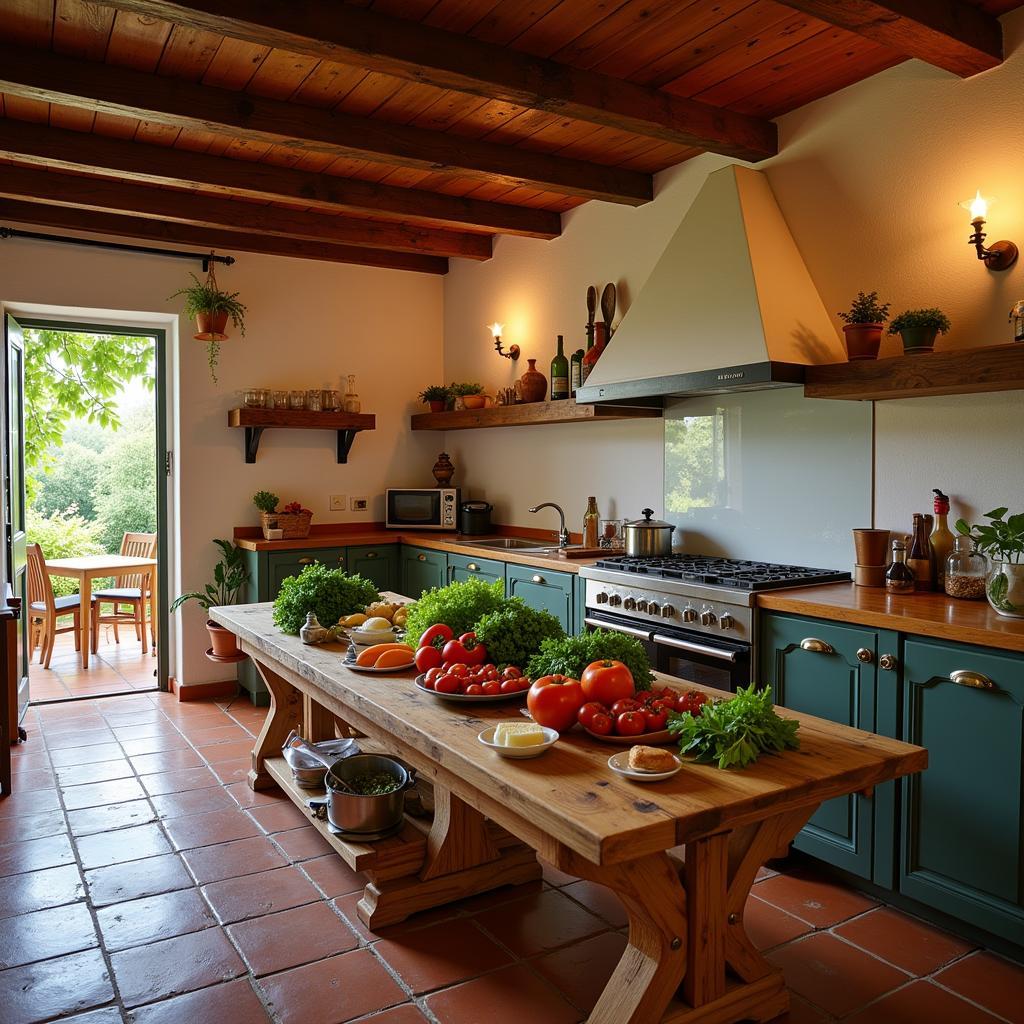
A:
[206,257]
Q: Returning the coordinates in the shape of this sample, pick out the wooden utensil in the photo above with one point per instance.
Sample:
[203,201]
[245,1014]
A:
[591,308]
[608,308]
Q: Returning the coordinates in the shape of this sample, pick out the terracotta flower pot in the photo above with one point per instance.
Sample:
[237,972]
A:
[918,339]
[437,406]
[862,340]
[474,401]
[210,326]
[533,385]
[223,646]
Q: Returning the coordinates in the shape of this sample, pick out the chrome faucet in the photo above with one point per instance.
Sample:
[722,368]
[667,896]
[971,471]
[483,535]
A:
[563,533]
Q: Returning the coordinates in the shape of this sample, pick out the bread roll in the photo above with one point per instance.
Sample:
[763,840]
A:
[651,759]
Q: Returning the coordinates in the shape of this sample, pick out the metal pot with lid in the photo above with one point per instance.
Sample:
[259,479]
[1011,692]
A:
[648,537]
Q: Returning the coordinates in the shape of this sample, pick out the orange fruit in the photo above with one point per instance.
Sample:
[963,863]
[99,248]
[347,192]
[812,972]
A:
[394,659]
[367,658]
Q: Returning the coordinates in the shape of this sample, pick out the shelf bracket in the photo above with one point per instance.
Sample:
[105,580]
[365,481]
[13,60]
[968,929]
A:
[252,442]
[345,439]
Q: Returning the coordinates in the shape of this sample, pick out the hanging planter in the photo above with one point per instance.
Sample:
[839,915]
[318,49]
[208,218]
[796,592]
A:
[211,309]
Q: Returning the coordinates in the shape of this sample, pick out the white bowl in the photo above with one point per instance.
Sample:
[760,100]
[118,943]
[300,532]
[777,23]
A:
[367,638]
[518,753]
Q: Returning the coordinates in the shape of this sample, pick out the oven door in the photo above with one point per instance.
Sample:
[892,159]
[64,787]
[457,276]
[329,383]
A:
[687,655]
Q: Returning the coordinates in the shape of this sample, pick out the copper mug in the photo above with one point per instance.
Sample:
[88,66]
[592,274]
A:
[872,546]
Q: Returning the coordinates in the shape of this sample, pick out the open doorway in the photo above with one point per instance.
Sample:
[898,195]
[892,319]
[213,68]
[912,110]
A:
[89,541]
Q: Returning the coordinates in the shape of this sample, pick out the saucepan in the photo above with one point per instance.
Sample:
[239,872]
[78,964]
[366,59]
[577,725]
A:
[353,811]
[647,537]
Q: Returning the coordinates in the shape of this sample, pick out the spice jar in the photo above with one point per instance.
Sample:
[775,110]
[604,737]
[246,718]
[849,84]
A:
[254,398]
[313,400]
[297,399]
[280,400]
[966,569]
[330,401]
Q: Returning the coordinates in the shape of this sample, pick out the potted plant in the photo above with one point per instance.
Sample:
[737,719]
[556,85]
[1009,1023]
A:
[210,308]
[466,396]
[1003,542]
[436,396]
[918,328]
[864,322]
[266,502]
[230,575]
[293,521]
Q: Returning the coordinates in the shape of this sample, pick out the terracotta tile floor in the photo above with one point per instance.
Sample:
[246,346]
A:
[142,882]
[116,668]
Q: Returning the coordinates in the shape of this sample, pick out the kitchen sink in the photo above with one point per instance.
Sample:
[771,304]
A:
[509,544]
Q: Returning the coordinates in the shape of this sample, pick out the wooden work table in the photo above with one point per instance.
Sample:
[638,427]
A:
[681,854]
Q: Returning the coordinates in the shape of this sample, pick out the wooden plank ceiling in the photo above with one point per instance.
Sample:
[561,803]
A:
[403,132]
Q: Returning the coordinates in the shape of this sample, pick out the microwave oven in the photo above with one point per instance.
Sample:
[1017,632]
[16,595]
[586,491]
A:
[422,508]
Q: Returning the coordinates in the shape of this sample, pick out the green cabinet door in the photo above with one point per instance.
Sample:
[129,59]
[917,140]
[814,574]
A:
[962,848]
[831,671]
[421,569]
[547,591]
[375,562]
[282,564]
[463,567]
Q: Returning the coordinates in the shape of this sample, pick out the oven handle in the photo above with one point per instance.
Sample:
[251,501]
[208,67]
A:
[689,645]
[643,634]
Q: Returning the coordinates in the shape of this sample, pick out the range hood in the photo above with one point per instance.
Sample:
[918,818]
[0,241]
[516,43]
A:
[730,306]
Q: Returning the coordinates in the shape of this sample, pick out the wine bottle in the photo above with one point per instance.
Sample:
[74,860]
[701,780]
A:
[559,374]
[941,539]
[575,372]
[919,559]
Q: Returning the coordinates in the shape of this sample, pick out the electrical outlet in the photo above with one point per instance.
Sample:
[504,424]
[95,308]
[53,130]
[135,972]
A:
[360,504]
[338,502]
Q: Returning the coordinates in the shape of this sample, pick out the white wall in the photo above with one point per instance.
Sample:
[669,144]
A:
[868,180]
[309,324]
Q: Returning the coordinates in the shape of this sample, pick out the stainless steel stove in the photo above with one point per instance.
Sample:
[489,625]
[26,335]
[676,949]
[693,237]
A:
[694,613]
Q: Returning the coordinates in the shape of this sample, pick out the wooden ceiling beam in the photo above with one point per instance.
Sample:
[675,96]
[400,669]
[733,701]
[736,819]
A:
[949,34]
[89,221]
[448,60]
[164,165]
[103,88]
[110,196]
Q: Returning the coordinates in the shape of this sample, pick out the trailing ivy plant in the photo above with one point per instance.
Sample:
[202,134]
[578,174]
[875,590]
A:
[866,309]
[207,297]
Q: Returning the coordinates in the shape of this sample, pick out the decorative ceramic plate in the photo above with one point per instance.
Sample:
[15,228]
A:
[483,698]
[619,763]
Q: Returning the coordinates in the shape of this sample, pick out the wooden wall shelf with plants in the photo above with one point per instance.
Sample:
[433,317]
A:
[255,421]
[564,410]
[964,371]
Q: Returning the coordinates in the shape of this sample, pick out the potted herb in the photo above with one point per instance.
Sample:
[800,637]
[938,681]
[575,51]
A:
[1002,540]
[466,396]
[864,322]
[436,396]
[230,575]
[266,502]
[291,523]
[210,308]
[918,328]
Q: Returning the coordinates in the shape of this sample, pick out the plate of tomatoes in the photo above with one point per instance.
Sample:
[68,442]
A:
[642,718]
[483,684]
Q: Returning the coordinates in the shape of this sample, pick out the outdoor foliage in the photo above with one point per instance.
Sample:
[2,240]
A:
[64,534]
[71,480]
[126,488]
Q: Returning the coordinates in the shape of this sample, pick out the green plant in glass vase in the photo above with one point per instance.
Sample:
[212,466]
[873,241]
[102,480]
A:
[1002,540]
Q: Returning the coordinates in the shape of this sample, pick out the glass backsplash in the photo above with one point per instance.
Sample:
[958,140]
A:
[769,475]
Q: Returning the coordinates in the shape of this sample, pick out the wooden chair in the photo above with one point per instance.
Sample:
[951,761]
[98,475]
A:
[44,610]
[130,593]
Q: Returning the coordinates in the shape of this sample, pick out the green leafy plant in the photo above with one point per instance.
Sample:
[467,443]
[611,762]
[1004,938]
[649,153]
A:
[328,593]
[206,297]
[1002,540]
[931,319]
[866,309]
[734,733]
[515,631]
[460,605]
[265,501]
[570,655]
[435,393]
[465,389]
[230,574]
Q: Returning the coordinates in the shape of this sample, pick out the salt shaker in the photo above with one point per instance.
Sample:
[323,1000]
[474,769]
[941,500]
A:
[312,632]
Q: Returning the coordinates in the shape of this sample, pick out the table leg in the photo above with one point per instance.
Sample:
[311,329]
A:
[285,714]
[85,623]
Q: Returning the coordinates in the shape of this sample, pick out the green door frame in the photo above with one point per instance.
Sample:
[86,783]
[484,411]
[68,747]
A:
[159,336]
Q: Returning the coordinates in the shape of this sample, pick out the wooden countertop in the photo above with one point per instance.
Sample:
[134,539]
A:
[927,614]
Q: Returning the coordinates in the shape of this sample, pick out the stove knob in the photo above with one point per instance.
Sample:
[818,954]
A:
[689,614]
[667,611]
[726,621]
[629,604]
[707,618]
[602,598]
[614,601]
[642,606]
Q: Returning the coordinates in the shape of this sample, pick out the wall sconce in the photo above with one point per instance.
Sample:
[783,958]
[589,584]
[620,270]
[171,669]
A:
[997,256]
[513,350]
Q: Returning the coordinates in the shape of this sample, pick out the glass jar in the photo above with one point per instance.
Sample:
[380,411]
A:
[296,399]
[610,533]
[313,400]
[254,398]
[280,399]
[330,401]
[966,568]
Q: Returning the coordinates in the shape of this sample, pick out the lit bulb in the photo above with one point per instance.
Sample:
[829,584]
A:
[495,329]
[978,205]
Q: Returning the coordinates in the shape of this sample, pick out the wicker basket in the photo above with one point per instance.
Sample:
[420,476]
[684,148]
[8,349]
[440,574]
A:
[294,524]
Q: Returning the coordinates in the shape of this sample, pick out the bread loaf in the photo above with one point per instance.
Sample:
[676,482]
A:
[651,759]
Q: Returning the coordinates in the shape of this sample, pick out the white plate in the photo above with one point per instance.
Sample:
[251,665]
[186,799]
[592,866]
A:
[473,698]
[619,763]
[377,636]
[351,663]
[518,753]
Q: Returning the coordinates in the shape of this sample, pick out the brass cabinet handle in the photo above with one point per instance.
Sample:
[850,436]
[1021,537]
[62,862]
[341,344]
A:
[421,558]
[888,662]
[538,578]
[306,561]
[965,677]
[371,554]
[864,655]
[473,567]
[816,646]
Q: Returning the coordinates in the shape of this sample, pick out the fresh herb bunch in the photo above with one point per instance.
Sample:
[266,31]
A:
[465,389]
[866,309]
[265,501]
[734,733]
[514,632]
[570,655]
[1003,540]
[459,605]
[930,318]
[328,593]
[435,393]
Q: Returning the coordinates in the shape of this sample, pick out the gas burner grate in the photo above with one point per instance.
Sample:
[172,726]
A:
[723,572]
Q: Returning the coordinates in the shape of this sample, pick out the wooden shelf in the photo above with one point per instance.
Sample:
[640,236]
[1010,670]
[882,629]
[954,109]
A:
[964,371]
[255,421]
[530,414]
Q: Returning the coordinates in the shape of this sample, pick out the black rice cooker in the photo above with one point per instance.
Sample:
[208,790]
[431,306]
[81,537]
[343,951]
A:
[475,518]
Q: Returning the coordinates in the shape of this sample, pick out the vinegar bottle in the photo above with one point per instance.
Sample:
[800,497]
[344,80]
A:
[899,579]
[919,558]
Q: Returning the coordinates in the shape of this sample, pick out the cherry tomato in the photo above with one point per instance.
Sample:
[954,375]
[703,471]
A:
[586,713]
[459,670]
[508,685]
[447,684]
[492,673]
[491,687]
[437,635]
[655,720]
[511,672]
[601,724]
[554,701]
[427,658]
[428,682]
[630,723]
[620,707]
[474,690]
[433,673]
[524,683]
[607,682]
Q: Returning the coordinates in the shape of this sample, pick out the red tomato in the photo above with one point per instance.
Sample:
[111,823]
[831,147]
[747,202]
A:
[523,683]
[511,672]
[601,724]
[630,723]
[447,684]
[433,674]
[655,720]
[427,658]
[620,707]
[428,682]
[460,670]
[474,690]
[436,636]
[586,713]
[509,685]
[491,687]
[607,682]
[554,701]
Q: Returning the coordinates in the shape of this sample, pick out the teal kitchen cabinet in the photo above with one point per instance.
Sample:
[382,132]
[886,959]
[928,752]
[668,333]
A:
[579,604]
[464,567]
[421,569]
[375,562]
[962,844]
[282,564]
[546,591]
[832,671]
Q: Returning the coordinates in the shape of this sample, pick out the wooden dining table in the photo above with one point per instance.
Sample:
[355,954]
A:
[91,567]
[681,854]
